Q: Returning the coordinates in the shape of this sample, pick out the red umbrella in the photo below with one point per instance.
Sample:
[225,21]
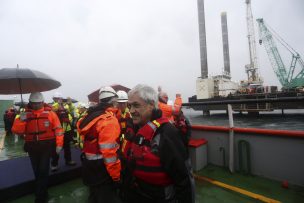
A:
[93,97]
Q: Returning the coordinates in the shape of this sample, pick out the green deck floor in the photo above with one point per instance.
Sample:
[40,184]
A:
[75,191]
[269,188]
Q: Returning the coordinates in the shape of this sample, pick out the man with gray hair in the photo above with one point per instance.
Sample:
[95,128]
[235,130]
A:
[156,156]
[168,110]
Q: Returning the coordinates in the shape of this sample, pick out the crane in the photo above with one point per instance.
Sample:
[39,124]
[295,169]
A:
[252,67]
[289,78]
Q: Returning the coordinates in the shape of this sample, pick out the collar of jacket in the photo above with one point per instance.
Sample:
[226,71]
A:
[95,112]
[156,114]
[89,118]
[114,110]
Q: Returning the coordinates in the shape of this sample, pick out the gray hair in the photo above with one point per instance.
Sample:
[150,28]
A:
[145,92]
[162,94]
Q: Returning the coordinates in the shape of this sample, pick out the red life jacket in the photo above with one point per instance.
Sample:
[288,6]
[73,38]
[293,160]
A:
[63,115]
[38,127]
[140,150]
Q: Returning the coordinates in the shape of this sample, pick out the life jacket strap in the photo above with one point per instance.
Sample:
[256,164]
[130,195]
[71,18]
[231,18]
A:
[37,133]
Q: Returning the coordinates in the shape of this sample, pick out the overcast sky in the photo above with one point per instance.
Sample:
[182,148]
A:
[86,44]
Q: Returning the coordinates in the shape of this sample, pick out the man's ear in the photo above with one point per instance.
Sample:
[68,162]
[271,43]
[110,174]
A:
[150,106]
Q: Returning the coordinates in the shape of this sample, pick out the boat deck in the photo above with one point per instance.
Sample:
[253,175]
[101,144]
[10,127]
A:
[75,191]
[17,178]
[207,192]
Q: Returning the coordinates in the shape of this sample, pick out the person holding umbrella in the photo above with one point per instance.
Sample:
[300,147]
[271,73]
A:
[42,130]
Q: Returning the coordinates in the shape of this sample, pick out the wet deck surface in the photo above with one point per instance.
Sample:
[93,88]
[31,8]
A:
[11,146]
[75,191]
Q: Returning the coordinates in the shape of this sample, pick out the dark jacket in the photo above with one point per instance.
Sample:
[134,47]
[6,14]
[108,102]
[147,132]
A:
[173,156]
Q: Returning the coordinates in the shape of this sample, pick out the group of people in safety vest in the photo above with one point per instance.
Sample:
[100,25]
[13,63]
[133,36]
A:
[134,145]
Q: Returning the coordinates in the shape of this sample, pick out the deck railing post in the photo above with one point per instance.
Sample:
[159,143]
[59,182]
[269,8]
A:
[231,139]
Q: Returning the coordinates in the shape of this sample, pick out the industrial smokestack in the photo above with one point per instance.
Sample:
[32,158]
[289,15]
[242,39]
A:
[202,37]
[225,44]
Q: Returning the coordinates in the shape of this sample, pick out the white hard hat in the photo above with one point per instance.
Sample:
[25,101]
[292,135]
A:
[57,95]
[122,96]
[106,92]
[91,104]
[81,105]
[36,97]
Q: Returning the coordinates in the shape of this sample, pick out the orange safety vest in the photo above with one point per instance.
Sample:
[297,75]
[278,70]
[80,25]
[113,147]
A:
[63,115]
[100,136]
[168,110]
[141,150]
[39,125]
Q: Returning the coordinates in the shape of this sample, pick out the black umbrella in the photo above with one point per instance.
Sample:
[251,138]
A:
[72,100]
[20,104]
[24,80]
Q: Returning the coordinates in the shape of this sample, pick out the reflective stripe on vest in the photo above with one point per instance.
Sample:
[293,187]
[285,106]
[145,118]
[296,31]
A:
[90,144]
[108,146]
[109,160]
[99,156]
[93,156]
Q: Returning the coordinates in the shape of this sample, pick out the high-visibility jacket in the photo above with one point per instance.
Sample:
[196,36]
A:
[100,136]
[126,127]
[70,108]
[168,110]
[125,121]
[55,106]
[64,116]
[142,150]
[42,124]
[80,138]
